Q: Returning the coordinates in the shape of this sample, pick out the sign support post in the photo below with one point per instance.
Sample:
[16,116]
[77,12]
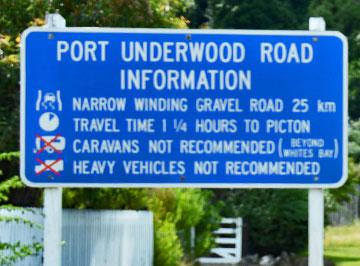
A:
[316,227]
[52,226]
[316,196]
[53,196]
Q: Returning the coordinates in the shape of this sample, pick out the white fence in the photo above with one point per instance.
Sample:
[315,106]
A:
[348,212]
[229,243]
[91,238]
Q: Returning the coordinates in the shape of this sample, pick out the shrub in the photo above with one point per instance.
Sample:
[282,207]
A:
[168,250]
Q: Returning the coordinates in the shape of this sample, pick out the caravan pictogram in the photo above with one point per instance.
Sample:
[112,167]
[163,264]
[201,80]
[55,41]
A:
[52,144]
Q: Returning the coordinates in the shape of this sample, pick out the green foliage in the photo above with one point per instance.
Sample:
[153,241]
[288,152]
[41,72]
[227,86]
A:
[128,199]
[197,14]
[354,85]
[274,218]
[123,13]
[15,16]
[9,91]
[11,183]
[109,13]
[253,14]
[13,252]
[184,208]
[209,222]
[354,140]
[168,249]
[7,185]
[188,208]
[249,14]
[341,15]
[18,251]
[335,197]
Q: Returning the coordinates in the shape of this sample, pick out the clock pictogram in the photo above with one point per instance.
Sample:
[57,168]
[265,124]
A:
[49,121]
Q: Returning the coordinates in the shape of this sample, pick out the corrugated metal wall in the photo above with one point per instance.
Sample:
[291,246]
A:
[91,238]
[13,232]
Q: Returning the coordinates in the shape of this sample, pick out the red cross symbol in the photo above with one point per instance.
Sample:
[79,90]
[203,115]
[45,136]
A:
[48,143]
[48,166]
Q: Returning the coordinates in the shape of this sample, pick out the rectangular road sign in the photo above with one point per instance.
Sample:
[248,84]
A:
[188,108]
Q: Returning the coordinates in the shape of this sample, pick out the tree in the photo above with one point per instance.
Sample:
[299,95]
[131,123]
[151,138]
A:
[343,15]
[197,14]
[252,14]
[123,13]
[354,89]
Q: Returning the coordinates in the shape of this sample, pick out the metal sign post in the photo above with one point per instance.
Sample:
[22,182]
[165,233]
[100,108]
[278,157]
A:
[316,196]
[52,226]
[316,227]
[53,196]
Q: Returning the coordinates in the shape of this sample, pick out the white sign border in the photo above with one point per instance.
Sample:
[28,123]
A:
[184,31]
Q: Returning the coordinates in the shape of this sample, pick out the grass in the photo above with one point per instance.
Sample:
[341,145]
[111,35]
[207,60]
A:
[342,244]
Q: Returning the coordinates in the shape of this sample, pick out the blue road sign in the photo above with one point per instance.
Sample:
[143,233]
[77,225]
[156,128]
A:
[205,108]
